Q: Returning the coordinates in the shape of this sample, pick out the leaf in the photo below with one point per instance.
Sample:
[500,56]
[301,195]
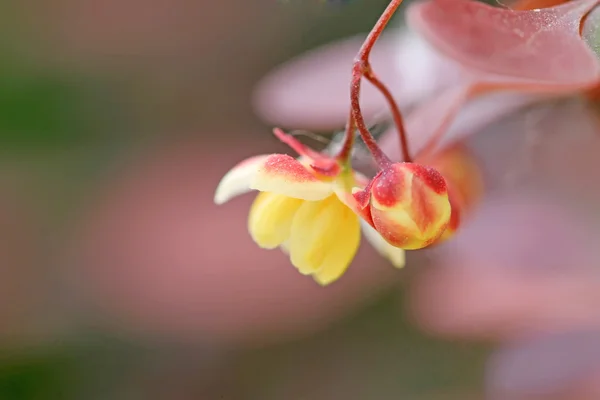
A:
[43,377]
[451,116]
[542,45]
[536,53]
[532,4]
[48,110]
[313,90]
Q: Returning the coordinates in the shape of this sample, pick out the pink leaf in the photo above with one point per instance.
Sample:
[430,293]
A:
[537,54]
[453,115]
[544,45]
[313,90]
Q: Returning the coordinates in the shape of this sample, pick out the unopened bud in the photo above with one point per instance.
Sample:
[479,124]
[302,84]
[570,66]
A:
[409,205]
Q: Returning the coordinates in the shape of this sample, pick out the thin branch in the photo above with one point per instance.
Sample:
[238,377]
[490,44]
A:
[362,68]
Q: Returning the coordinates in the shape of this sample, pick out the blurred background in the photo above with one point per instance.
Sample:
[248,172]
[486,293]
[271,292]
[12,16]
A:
[119,278]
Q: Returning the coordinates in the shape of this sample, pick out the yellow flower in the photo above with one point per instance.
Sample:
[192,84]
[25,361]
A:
[304,207]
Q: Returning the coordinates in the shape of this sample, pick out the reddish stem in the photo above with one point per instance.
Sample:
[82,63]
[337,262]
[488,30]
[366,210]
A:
[362,68]
[380,157]
[346,150]
[397,116]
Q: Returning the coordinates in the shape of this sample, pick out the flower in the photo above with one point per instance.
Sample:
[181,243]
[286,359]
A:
[303,209]
[517,270]
[408,204]
[462,90]
[310,206]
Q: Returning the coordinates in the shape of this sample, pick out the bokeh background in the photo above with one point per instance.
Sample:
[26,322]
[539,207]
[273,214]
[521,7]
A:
[119,279]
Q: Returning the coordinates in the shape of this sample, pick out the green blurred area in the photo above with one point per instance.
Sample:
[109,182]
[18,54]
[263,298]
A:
[64,124]
[374,354]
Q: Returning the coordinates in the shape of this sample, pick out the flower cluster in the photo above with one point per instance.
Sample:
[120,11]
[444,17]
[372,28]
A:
[314,207]
[304,207]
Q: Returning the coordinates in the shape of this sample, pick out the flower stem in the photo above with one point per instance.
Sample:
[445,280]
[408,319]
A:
[396,115]
[362,68]
[380,157]
[346,151]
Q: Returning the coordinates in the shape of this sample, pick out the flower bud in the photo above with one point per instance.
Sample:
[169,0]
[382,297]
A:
[409,205]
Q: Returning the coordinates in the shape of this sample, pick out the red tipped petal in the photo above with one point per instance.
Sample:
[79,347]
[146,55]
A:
[320,163]
[283,174]
[295,145]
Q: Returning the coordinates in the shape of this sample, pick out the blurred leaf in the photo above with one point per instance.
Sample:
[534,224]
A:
[36,109]
[34,378]
[52,110]
[375,354]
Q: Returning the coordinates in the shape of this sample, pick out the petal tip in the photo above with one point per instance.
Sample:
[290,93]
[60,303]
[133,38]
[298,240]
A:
[220,197]
[236,181]
[323,282]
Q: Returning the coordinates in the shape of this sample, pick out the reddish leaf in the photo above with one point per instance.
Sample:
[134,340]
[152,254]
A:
[532,4]
[537,53]
[313,90]
[451,117]
[543,45]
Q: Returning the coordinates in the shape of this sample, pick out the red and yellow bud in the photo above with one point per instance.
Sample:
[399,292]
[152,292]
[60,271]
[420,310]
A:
[409,205]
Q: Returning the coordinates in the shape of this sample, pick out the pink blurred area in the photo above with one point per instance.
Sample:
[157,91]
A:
[119,234]
[155,254]
[524,265]
[142,250]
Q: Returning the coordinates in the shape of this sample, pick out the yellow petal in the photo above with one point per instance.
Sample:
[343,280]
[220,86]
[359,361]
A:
[237,180]
[285,247]
[394,254]
[283,174]
[308,237]
[324,237]
[270,218]
[342,251]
